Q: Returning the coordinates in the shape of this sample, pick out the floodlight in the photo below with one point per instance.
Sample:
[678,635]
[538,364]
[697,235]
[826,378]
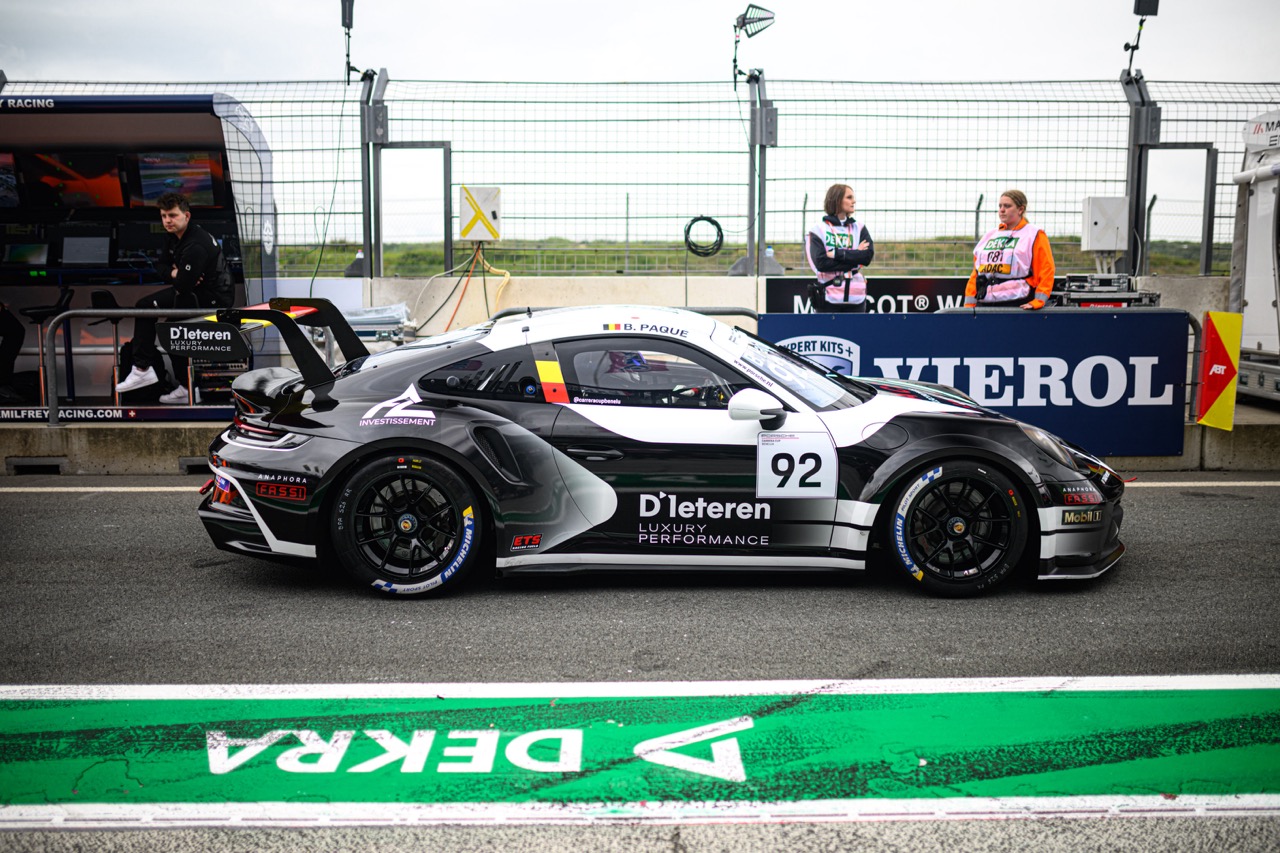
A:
[348,11]
[1142,8]
[754,20]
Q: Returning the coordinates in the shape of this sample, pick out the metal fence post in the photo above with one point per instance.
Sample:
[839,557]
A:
[747,265]
[1144,131]
[378,138]
[366,175]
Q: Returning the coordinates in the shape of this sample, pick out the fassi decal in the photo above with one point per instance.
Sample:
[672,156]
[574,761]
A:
[281,491]
[400,411]
[1080,495]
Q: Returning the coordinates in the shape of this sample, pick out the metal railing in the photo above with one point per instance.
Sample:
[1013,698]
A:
[50,365]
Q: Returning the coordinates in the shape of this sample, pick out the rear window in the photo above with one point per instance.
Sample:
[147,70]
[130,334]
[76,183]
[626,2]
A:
[420,349]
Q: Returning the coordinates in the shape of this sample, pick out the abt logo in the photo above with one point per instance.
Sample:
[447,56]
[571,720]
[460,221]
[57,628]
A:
[527,542]
[1218,370]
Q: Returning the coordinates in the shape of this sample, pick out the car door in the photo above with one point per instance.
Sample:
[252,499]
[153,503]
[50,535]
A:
[649,417]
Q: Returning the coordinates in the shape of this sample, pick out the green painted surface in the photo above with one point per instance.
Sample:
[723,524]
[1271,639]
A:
[799,747]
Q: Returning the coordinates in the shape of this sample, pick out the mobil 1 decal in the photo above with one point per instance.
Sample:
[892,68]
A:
[795,465]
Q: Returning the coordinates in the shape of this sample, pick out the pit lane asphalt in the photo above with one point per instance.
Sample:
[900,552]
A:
[125,588]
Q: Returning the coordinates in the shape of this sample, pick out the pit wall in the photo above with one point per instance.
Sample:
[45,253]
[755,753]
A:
[170,448]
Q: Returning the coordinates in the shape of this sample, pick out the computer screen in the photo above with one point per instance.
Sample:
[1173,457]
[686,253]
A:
[86,250]
[195,174]
[71,180]
[32,254]
[8,182]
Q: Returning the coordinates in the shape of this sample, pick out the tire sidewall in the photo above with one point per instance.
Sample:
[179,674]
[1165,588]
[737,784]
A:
[458,491]
[916,485]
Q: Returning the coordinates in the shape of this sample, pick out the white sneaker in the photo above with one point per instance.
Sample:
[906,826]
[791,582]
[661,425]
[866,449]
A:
[178,396]
[138,379]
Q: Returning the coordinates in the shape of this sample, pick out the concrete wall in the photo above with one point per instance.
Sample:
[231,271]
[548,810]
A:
[1195,294]
[122,449]
[485,296]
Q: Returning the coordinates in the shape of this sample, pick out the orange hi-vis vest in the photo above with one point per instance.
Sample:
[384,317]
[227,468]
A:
[1005,256]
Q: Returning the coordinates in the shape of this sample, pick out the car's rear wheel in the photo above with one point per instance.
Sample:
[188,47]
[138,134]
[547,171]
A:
[959,528]
[407,525]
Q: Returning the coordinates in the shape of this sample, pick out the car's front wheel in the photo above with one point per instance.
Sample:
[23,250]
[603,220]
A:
[407,525]
[959,528]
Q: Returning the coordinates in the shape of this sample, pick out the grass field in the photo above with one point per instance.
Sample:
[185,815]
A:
[943,256]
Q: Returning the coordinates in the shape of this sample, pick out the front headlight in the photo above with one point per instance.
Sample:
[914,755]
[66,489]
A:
[1049,445]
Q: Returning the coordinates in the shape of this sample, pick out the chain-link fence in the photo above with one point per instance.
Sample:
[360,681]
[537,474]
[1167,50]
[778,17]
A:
[603,178]
[313,131]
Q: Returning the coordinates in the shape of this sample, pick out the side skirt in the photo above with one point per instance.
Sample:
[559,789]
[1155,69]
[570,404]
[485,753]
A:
[565,563]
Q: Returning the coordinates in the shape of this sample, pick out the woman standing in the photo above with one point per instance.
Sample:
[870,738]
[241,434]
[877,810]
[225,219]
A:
[1012,264]
[837,249]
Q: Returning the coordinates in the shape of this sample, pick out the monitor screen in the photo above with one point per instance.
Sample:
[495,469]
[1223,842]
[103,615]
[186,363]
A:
[195,174]
[86,250]
[72,180]
[8,182]
[32,254]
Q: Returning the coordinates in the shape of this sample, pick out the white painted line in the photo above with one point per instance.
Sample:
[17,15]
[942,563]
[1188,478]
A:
[89,490]
[632,689]
[328,815]
[1224,484]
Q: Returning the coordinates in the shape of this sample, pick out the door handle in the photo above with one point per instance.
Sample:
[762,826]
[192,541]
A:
[593,452]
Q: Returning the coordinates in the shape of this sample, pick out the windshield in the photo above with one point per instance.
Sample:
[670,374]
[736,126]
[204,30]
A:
[802,377]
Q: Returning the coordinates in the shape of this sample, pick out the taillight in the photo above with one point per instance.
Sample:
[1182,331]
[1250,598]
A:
[245,433]
[249,430]
[224,492]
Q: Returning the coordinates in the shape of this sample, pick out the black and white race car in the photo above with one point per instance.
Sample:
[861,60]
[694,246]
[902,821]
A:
[617,437]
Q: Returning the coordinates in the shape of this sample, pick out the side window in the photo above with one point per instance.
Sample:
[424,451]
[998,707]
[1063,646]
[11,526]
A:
[509,375]
[622,371]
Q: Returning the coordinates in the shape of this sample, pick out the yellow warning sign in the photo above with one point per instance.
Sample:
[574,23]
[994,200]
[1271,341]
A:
[481,209]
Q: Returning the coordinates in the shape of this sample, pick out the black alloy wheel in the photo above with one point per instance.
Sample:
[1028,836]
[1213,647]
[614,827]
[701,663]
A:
[407,525]
[959,528]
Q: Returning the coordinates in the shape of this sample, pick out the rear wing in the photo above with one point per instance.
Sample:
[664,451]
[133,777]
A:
[287,315]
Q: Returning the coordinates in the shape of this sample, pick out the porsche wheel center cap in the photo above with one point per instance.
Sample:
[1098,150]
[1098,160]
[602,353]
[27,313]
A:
[957,526]
[407,523]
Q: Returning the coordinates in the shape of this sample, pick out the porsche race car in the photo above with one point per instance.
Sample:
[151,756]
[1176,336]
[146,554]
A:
[627,437]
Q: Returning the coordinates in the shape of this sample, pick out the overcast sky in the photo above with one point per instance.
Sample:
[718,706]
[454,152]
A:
[669,40]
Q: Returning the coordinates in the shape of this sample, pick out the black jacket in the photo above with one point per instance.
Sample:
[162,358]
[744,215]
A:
[845,259]
[202,270]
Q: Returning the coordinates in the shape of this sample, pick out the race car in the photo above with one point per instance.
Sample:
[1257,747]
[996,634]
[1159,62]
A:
[631,437]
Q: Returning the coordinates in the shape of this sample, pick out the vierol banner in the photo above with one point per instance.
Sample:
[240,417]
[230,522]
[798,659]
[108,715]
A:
[1111,382]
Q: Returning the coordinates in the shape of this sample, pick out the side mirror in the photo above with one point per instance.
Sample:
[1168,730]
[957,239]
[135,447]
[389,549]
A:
[752,404]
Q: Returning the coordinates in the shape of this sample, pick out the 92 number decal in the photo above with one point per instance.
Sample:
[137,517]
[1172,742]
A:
[795,465]
[784,465]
